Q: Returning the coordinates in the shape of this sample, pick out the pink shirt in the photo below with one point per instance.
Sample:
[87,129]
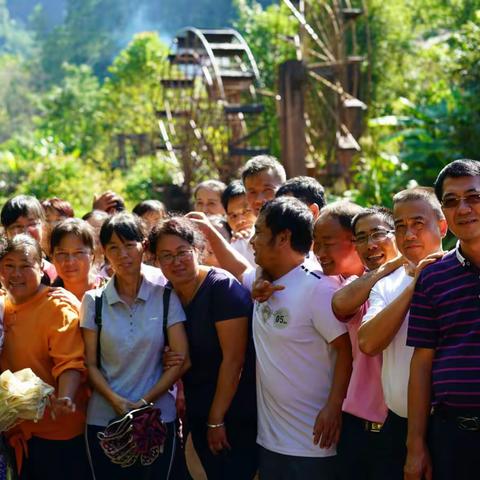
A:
[365,395]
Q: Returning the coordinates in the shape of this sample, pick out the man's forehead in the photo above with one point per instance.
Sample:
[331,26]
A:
[456,185]
[370,224]
[268,177]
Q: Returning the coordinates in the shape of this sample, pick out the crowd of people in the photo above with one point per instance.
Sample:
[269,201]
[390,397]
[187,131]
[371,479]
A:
[289,337]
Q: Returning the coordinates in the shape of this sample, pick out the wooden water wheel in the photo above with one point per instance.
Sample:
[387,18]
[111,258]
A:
[211,117]
[334,70]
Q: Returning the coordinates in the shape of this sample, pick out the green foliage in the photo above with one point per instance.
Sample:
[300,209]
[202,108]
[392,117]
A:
[69,111]
[265,30]
[145,179]
[134,86]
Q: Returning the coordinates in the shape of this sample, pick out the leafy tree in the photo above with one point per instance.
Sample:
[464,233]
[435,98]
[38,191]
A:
[70,111]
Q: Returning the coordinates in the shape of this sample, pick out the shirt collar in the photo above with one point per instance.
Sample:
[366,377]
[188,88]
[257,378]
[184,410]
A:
[463,261]
[113,297]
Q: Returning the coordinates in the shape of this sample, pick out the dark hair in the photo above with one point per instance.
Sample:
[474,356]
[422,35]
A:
[180,227]
[306,189]
[72,226]
[214,185]
[344,211]
[260,163]
[234,189]
[288,213]
[426,194]
[148,206]
[61,206]
[96,215]
[456,169]
[21,206]
[21,243]
[385,215]
[127,226]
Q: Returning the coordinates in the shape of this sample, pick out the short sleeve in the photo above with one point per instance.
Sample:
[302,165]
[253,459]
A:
[376,301]
[175,310]
[422,324]
[230,299]
[65,342]
[248,278]
[324,319]
[87,311]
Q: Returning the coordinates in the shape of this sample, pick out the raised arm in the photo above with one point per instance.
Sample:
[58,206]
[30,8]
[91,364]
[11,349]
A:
[347,300]
[228,257]
[376,333]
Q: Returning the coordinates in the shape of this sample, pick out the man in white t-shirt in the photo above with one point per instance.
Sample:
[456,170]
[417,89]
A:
[303,353]
[419,229]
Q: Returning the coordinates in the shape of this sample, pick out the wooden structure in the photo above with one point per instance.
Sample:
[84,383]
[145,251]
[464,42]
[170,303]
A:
[211,119]
[321,111]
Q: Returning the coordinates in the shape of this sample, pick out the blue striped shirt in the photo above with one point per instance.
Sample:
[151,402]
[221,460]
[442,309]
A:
[445,316]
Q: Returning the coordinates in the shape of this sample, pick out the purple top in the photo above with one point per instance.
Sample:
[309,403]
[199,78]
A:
[445,316]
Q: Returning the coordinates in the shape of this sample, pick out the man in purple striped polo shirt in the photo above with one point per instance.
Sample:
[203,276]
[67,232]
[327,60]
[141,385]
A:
[444,328]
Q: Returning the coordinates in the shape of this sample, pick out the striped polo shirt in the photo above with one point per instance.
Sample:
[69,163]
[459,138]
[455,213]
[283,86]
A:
[445,316]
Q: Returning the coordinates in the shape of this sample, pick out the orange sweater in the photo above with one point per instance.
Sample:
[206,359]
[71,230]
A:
[44,335]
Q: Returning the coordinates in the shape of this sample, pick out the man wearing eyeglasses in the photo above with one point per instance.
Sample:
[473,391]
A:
[444,330]
[364,409]
[419,228]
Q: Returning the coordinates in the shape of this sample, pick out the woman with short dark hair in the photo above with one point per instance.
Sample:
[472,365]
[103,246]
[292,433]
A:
[72,245]
[124,357]
[220,387]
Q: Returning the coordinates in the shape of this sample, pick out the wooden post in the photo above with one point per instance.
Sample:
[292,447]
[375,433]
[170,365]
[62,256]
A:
[292,77]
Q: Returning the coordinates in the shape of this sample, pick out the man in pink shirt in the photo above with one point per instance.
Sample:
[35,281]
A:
[364,409]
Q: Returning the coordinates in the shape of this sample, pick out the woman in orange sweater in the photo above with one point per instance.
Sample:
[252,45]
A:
[42,333]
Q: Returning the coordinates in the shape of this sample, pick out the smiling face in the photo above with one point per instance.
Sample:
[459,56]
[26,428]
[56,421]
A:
[374,253]
[418,231]
[209,202]
[261,188]
[177,259]
[30,225]
[464,219]
[125,256]
[334,248]
[21,274]
[72,259]
[239,215]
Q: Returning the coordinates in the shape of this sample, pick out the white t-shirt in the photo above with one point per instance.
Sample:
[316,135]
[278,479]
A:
[295,363]
[397,356]
[244,247]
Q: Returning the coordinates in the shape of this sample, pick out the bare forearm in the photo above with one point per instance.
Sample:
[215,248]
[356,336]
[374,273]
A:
[228,257]
[168,378]
[419,398]
[227,383]
[376,334]
[347,301]
[100,384]
[68,383]
[341,373]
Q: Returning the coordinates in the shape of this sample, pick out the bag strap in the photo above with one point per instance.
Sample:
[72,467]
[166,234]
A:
[166,302]
[98,322]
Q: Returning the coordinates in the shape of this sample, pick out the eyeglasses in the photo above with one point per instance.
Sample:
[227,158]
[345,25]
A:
[377,236]
[168,258]
[454,202]
[62,257]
